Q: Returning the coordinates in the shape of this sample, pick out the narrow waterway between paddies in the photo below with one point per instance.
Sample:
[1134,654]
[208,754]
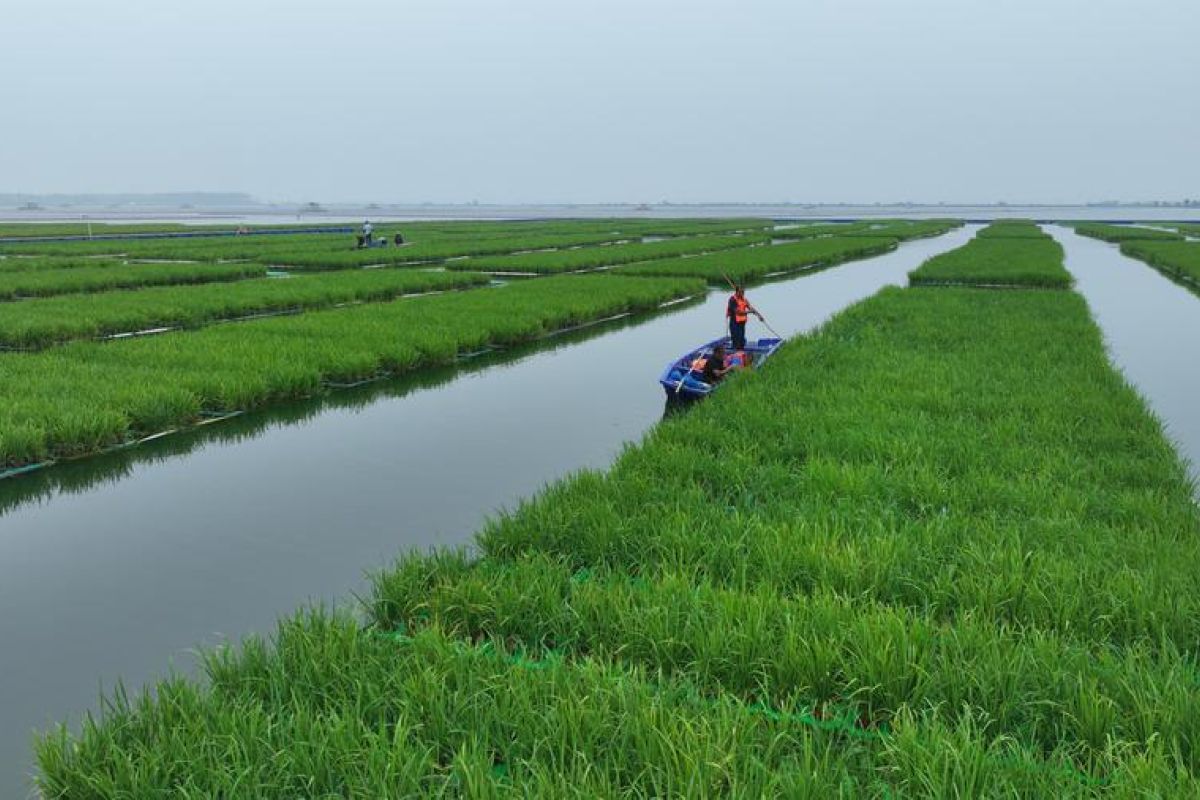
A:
[1152,328]
[113,567]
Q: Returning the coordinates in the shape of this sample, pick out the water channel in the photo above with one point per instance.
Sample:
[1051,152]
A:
[116,566]
[1151,325]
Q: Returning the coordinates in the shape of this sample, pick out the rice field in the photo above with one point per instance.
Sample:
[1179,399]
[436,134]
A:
[1180,260]
[1125,233]
[52,320]
[1012,229]
[589,258]
[899,229]
[760,262]
[1007,254]
[1186,228]
[84,396]
[16,284]
[937,548]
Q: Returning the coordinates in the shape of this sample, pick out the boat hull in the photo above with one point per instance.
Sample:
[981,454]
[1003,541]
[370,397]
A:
[680,382]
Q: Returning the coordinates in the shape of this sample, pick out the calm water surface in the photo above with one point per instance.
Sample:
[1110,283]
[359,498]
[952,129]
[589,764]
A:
[116,566]
[1152,327]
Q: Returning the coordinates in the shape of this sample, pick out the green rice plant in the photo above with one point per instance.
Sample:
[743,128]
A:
[439,250]
[198,249]
[84,395]
[1124,233]
[47,282]
[40,322]
[745,264]
[814,231]
[1012,229]
[1180,260]
[904,229]
[1186,228]
[588,258]
[899,229]
[13,264]
[820,650]
[1012,258]
[691,227]
[332,710]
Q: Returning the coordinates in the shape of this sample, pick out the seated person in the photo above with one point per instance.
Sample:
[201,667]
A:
[714,368]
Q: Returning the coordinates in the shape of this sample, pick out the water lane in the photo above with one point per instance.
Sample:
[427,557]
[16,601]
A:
[1152,328]
[111,567]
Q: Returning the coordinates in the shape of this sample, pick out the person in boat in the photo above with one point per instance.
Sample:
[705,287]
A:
[714,368]
[738,310]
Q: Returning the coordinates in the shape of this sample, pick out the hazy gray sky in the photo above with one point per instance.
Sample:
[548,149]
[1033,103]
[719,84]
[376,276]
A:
[577,101]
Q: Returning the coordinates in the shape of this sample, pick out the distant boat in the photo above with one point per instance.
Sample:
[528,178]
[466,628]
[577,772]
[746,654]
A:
[642,207]
[682,380]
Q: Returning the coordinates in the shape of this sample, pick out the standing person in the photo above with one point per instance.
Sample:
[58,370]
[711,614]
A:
[738,310]
[368,229]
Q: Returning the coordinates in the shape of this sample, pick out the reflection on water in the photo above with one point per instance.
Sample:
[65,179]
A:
[113,566]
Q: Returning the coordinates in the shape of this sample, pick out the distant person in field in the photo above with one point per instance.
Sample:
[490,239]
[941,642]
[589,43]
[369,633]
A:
[738,310]
[398,239]
[368,230]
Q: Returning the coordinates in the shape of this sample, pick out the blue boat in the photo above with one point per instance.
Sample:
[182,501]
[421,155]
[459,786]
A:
[680,381]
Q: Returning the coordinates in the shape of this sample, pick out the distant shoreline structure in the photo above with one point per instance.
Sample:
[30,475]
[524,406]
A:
[30,210]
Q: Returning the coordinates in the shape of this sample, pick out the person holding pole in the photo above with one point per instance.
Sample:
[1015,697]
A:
[738,310]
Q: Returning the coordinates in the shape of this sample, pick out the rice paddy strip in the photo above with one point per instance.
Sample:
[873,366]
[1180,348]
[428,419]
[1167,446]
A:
[41,322]
[108,276]
[1014,257]
[825,652]
[84,396]
[444,239]
[12,264]
[957,453]
[332,710]
[197,249]
[907,229]
[1186,228]
[1012,229]
[1124,233]
[259,248]
[439,251]
[895,229]
[751,263]
[816,230]
[918,533]
[691,227]
[1179,260]
[586,258]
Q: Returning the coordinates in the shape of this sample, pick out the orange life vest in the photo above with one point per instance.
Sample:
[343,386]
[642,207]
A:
[699,363]
[741,312]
